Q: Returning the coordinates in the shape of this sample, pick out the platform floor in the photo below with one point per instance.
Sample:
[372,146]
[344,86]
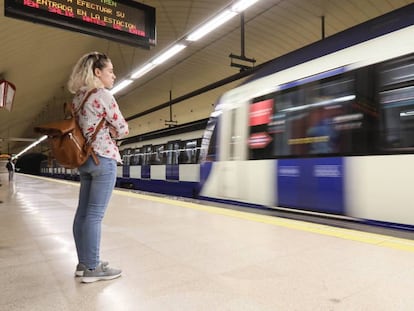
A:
[181,256]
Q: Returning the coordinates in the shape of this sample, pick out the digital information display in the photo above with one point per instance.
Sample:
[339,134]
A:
[125,21]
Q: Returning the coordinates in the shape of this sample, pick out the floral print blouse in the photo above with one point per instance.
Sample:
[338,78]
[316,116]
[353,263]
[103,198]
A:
[101,104]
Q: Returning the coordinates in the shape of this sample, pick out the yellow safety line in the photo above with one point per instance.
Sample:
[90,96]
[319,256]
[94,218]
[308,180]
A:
[347,234]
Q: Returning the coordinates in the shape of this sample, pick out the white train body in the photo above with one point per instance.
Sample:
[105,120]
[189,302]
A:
[330,134]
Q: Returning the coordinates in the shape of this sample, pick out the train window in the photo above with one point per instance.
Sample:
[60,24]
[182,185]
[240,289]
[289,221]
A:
[359,123]
[397,108]
[326,117]
[146,155]
[291,113]
[328,105]
[209,141]
[399,72]
[397,104]
[190,152]
[136,157]
[172,152]
[158,155]
[126,156]
[122,153]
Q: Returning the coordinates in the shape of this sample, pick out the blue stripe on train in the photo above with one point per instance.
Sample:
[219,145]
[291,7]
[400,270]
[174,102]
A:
[146,171]
[173,188]
[172,172]
[315,184]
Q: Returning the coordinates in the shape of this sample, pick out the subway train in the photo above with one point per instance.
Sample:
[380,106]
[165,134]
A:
[325,129]
[165,161]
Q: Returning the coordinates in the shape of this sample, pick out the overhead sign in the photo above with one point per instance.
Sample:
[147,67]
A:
[7,91]
[125,21]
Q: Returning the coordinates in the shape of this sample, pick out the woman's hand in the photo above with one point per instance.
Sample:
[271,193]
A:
[112,131]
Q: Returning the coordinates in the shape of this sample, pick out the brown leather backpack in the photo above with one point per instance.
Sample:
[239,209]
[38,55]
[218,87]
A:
[67,142]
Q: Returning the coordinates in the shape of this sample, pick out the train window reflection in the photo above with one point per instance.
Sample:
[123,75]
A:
[173,150]
[208,145]
[397,72]
[158,156]
[136,157]
[306,120]
[146,155]
[398,118]
[126,156]
[397,104]
[327,102]
[191,152]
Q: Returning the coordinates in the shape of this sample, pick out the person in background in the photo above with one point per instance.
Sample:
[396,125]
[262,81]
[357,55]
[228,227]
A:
[94,73]
[10,168]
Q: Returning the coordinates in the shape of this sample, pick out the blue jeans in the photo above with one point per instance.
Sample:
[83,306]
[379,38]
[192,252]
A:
[96,185]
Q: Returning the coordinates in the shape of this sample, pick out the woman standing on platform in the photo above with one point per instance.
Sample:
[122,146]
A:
[92,76]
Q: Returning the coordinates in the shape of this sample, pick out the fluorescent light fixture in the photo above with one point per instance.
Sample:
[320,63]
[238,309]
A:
[30,146]
[242,5]
[142,71]
[407,114]
[344,99]
[321,103]
[168,54]
[211,25]
[121,86]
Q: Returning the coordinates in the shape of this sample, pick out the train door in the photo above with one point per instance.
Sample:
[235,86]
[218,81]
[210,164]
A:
[189,155]
[233,152]
[135,163]
[158,162]
[126,157]
[146,162]
[172,152]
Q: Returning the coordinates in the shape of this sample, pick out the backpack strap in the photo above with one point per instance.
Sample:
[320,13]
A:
[97,129]
[89,143]
[83,102]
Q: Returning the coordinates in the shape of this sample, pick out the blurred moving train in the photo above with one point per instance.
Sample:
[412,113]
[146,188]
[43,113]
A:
[328,129]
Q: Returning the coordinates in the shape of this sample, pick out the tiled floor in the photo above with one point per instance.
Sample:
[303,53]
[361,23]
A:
[182,256]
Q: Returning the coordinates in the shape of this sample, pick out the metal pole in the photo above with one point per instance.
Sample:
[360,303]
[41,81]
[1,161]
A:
[323,26]
[242,48]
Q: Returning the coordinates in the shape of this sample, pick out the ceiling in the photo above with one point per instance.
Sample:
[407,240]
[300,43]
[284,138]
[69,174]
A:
[38,59]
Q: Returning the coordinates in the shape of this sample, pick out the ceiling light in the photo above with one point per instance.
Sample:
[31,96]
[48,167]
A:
[30,146]
[121,86]
[142,71]
[168,54]
[242,5]
[211,25]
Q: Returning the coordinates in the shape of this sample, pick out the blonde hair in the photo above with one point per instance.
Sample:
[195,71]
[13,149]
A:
[83,73]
